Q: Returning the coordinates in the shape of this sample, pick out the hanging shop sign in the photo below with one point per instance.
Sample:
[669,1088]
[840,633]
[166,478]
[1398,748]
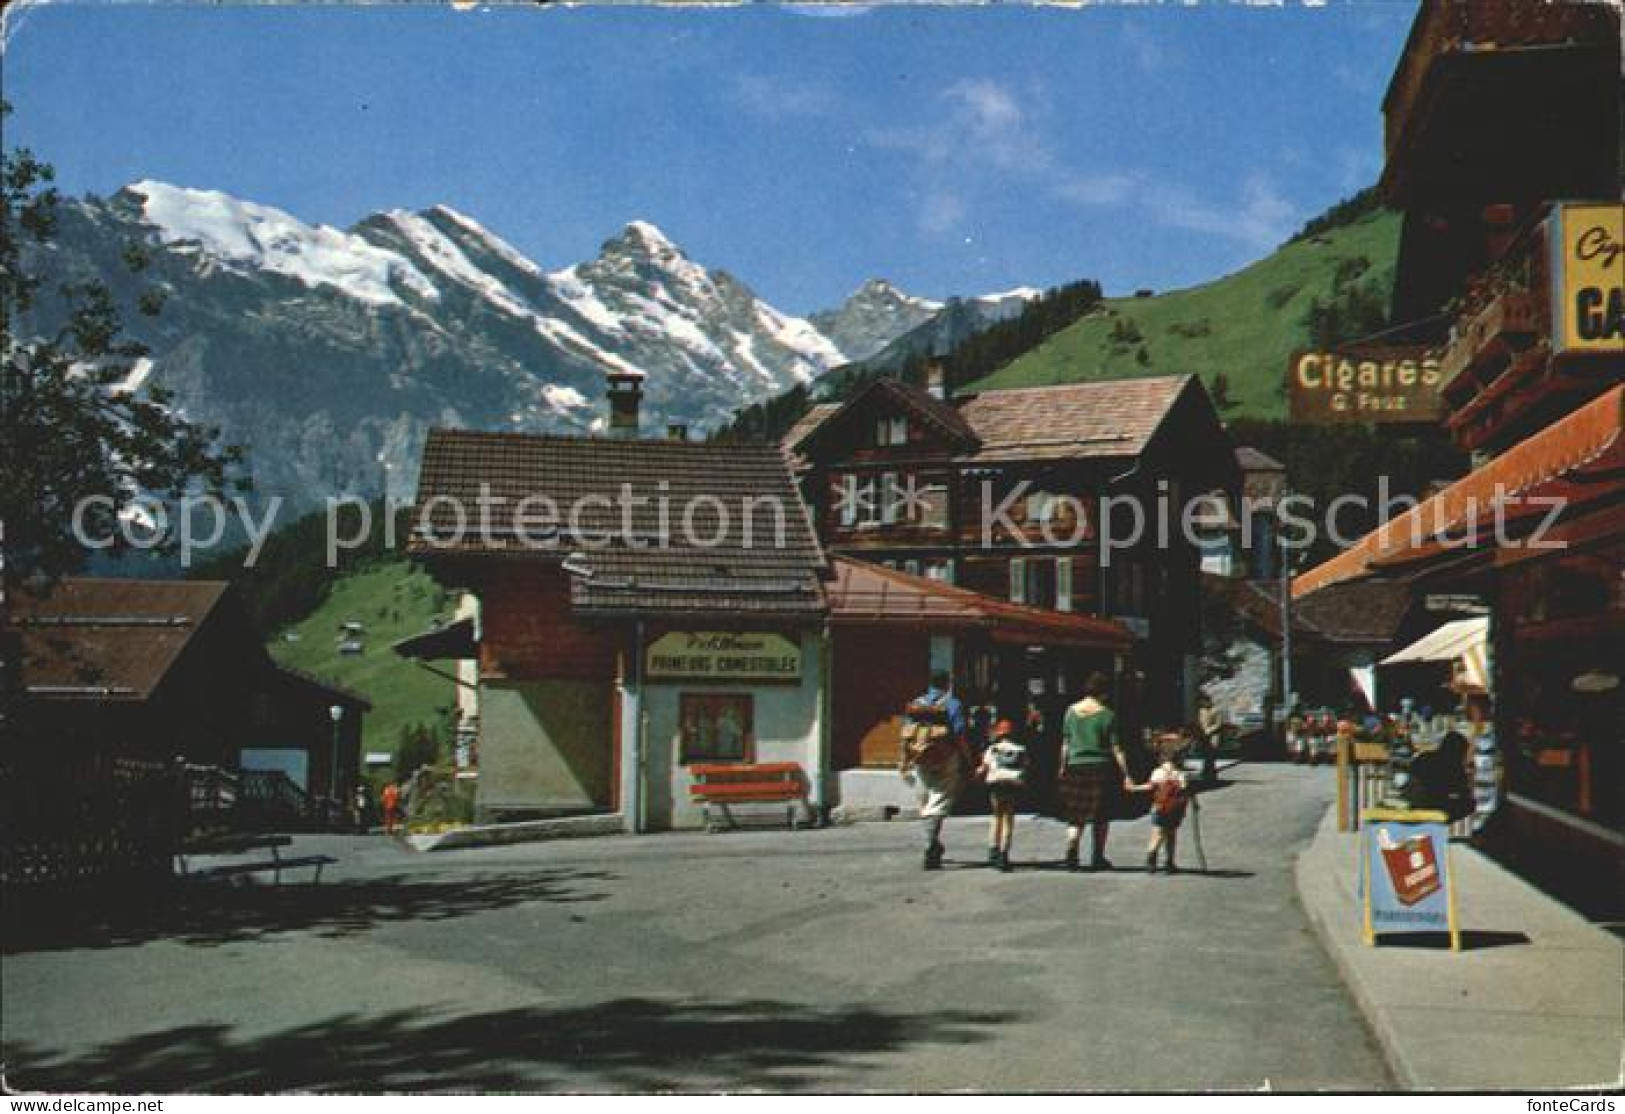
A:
[1380,385]
[1405,880]
[1588,277]
[723,656]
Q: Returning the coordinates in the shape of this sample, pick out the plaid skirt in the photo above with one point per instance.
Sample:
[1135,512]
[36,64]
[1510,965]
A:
[1084,794]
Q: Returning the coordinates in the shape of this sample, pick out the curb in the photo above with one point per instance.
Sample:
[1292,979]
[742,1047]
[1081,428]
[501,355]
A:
[1316,913]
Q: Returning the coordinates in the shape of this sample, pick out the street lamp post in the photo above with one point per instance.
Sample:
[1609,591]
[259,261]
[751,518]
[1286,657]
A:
[336,711]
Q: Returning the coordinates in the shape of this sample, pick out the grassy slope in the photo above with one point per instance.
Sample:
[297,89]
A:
[1253,320]
[393,600]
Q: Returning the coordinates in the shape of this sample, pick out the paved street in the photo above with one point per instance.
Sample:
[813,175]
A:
[807,960]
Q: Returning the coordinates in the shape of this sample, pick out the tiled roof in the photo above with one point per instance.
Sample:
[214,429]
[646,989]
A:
[1365,612]
[1101,418]
[664,527]
[105,638]
[944,415]
[864,594]
[331,689]
[1254,460]
[816,415]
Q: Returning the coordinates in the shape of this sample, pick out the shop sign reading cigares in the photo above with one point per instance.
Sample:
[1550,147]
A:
[1380,385]
[724,656]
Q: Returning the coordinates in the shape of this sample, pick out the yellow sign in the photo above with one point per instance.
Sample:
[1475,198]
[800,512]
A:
[1588,277]
[1368,385]
[723,656]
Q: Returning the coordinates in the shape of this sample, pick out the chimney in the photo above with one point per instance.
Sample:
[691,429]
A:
[625,399]
[936,381]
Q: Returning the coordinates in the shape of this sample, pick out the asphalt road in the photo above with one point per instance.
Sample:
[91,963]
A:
[812,960]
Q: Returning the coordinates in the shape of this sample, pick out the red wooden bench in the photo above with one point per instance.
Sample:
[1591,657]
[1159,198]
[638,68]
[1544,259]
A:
[725,785]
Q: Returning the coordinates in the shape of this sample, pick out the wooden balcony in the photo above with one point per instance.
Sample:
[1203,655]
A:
[1486,343]
[1472,100]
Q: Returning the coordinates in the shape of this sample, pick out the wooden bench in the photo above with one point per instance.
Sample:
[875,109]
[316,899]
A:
[725,785]
[275,865]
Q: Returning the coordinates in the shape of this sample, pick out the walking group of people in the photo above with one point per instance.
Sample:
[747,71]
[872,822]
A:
[1093,766]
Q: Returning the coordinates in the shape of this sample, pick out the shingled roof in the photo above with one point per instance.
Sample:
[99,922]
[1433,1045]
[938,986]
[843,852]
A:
[1099,418]
[106,638]
[865,594]
[618,506]
[944,415]
[1367,613]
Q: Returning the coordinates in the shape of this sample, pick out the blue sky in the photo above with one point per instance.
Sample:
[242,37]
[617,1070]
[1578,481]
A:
[949,149]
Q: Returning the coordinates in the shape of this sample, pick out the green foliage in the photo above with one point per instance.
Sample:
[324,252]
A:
[290,577]
[1255,319]
[1341,215]
[394,600]
[69,432]
[417,746]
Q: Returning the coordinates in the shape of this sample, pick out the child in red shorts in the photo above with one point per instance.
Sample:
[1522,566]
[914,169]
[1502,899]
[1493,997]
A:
[1170,797]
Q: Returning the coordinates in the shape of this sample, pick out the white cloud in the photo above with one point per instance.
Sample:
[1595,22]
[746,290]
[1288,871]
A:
[983,123]
[1149,53]
[1260,218]
[1094,189]
[779,98]
[941,212]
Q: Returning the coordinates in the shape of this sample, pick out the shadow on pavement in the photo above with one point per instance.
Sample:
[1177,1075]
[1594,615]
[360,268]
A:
[1471,940]
[627,1044]
[219,913]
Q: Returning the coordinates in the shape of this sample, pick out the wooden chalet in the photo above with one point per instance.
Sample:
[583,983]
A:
[1001,492]
[1505,154]
[619,644]
[155,670]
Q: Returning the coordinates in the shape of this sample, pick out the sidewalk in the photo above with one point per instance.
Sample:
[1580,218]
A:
[1535,1001]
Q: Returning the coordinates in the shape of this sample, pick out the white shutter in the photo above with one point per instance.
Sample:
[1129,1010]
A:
[1063,584]
[1018,580]
[849,500]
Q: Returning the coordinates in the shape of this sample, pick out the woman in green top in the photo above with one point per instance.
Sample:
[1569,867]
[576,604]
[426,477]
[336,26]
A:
[1093,765]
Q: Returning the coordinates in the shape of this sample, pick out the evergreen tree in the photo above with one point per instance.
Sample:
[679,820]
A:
[70,430]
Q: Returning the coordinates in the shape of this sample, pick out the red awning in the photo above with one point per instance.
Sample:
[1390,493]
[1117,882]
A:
[865,594]
[1579,459]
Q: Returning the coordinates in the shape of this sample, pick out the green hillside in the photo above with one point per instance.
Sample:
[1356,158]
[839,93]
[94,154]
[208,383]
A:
[392,600]
[1243,326]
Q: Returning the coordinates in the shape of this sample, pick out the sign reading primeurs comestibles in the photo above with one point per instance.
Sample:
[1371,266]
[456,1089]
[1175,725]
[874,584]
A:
[723,656]
[1366,385]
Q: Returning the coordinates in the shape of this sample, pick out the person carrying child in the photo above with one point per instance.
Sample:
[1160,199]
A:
[1004,770]
[934,753]
[1170,798]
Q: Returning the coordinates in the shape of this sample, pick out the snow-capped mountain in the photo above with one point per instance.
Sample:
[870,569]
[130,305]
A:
[329,352]
[876,314]
[948,326]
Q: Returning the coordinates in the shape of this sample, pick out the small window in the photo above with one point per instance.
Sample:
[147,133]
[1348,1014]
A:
[716,727]
[1063,584]
[868,506]
[933,506]
[911,567]
[891,431]
[847,500]
[1018,580]
[891,498]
